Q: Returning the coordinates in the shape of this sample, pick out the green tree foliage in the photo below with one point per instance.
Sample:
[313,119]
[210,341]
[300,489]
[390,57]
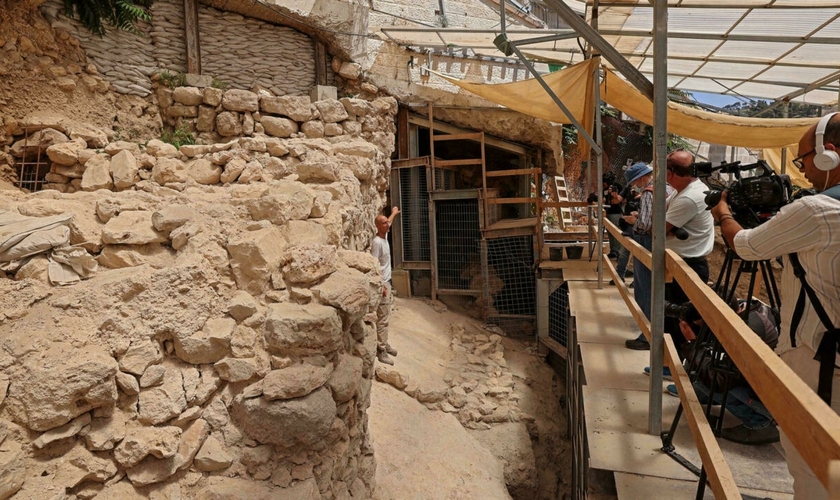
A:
[752,108]
[120,14]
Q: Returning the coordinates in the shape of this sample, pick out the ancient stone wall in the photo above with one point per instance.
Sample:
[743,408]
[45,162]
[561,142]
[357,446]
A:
[225,347]
[239,52]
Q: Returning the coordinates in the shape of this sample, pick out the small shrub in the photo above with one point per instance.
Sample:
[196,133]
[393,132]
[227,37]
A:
[219,84]
[171,80]
[179,136]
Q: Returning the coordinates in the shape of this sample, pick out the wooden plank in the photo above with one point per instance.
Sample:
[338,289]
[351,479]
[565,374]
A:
[555,346]
[635,310]
[466,136]
[445,291]
[321,63]
[504,201]
[451,129]
[834,478]
[717,470]
[409,163]
[396,229]
[508,233]
[455,194]
[432,155]
[511,223]
[456,163]
[416,266]
[511,172]
[565,204]
[191,37]
[403,131]
[809,423]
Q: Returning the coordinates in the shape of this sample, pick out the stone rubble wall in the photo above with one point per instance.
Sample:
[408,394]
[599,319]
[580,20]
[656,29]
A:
[225,348]
[239,52]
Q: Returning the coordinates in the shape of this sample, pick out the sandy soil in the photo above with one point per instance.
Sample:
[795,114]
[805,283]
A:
[425,454]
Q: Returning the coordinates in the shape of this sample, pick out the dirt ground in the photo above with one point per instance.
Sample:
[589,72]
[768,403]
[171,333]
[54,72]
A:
[428,454]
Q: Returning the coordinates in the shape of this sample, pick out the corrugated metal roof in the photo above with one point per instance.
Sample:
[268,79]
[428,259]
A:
[758,48]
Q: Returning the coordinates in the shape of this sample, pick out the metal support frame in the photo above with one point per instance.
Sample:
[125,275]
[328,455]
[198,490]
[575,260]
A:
[660,145]
[599,160]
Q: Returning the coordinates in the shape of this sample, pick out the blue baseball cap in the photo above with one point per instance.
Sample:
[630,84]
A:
[638,170]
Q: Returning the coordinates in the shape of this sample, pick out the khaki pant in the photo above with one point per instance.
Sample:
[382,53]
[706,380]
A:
[806,486]
[383,317]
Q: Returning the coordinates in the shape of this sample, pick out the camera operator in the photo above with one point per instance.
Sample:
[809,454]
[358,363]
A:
[612,202]
[809,229]
[686,210]
[629,198]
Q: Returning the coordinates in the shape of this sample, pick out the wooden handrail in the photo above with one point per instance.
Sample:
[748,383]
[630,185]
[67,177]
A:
[811,425]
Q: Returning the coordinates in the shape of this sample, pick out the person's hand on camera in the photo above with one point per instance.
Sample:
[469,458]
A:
[722,208]
[687,331]
[630,219]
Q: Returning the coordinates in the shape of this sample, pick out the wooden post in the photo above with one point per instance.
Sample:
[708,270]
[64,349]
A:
[320,63]
[191,35]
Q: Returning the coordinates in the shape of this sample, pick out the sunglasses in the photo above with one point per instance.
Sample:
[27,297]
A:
[799,161]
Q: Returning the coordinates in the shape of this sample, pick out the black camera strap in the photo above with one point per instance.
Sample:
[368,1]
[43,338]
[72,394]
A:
[828,347]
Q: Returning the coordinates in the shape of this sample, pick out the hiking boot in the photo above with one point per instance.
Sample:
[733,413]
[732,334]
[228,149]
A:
[751,437]
[640,343]
[384,358]
[390,350]
[666,372]
[672,390]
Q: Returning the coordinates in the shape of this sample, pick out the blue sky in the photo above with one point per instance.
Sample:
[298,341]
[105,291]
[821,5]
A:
[717,100]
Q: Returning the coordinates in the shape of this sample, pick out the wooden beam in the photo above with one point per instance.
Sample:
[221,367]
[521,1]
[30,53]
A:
[403,131]
[809,423]
[511,172]
[717,470]
[467,136]
[505,201]
[409,162]
[564,204]
[455,163]
[412,265]
[555,346]
[320,63]
[191,37]
[635,310]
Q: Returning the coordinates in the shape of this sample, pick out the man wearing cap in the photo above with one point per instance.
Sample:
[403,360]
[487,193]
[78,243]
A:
[640,175]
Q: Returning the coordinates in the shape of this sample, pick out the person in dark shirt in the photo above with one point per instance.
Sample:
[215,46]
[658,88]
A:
[612,206]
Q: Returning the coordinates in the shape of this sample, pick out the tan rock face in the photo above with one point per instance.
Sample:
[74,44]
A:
[303,420]
[254,255]
[154,470]
[294,381]
[124,170]
[309,263]
[281,202]
[66,153]
[12,468]
[139,442]
[295,328]
[208,345]
[294,107]
[97,173]
[240,100]
[164,402]
[279,127]
[132,228]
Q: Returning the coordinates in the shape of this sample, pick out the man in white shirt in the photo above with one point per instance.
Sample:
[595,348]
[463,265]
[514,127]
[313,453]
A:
[379,248]
[808,227]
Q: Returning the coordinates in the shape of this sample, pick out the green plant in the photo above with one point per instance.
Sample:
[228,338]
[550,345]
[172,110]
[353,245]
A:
[219,84]
[121,14]
[179,136]
[171,80]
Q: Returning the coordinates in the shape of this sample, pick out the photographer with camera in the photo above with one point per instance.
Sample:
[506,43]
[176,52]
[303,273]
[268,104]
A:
[806,233]
[612,206]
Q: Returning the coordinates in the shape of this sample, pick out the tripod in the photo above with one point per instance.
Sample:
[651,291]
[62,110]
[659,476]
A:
[709,351]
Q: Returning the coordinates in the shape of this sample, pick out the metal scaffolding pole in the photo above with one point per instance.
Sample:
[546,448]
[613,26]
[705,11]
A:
[599,160]
[660,151]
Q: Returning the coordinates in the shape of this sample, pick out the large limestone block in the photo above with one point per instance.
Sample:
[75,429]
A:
[65,431]
[119,256]
[254,255]
[295,107]
[61,385]
[190,96]
[206,119]
[309,263]
[240,100]
[133,227]
[356,108]
[302,329]
[228,124]
[242,305]
[154,470]
[283,201]
[140,442]
[97,173]
[203,171]
[160,149]
[350,70]
[213,456]
[346,378]
[80,465]
[139,356]
[279,127]
[356,148]
[331,111]
[104,433]
[163,402]
[40,140]
[66,153]
[95,137]
[236,369]
[305,232]
[208,345]
[295,381]
[168,170]
[124,169]
[347,290]
[172,217]
[317,167]
[305,420]
[115,147]
[12,468]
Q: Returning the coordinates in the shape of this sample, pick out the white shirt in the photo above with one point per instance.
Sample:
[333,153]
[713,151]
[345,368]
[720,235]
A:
[811,227]
[687,209]
[379,248]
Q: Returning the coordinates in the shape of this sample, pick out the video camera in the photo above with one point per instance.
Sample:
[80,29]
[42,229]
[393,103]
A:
[684,312]
[753,199]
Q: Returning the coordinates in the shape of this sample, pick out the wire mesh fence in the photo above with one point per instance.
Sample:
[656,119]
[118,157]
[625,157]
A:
[509,284]
[558,315]
[458,252]
[414,196]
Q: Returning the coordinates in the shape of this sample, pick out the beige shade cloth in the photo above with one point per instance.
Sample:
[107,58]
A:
[573,85]
[773,157]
